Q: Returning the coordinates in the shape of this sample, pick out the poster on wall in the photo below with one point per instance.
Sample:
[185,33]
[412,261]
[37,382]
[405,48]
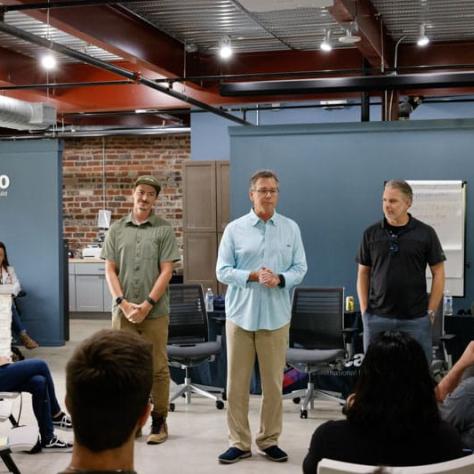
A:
[442,205]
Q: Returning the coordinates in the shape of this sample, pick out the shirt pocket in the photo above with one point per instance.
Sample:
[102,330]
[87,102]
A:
[285,256]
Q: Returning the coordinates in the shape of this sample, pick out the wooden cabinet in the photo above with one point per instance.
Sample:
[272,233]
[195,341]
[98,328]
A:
[206,213]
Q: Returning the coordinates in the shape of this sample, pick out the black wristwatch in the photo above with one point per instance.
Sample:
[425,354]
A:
[282,281]
[119,299]
[151,300]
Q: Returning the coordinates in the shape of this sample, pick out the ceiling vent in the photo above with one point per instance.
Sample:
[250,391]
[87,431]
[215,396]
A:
[21,115]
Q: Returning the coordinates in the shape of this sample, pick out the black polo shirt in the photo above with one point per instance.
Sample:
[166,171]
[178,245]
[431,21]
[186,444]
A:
[398,267]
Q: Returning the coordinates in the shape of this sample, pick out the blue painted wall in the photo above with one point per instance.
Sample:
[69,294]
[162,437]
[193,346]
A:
[31,228]
[332,179]
[210,136]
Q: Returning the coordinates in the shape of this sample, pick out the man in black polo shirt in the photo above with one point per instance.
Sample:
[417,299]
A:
[391,279]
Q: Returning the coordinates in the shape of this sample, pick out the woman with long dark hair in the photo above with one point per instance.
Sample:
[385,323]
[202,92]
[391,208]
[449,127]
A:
[392,417]
[10,285]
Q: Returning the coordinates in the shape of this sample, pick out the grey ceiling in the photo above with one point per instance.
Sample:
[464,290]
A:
[204,22]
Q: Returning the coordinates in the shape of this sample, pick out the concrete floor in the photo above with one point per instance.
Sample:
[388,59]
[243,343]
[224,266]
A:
[197,431]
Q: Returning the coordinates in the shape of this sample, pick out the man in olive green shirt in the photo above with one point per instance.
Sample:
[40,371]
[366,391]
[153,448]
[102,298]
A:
[140,250]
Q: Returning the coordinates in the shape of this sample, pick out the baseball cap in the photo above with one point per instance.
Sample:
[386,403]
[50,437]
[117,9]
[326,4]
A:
[150,180]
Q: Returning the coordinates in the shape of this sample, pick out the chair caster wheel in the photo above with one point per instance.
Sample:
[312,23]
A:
[296,400]
[219,404]
[172,406]
[304,414]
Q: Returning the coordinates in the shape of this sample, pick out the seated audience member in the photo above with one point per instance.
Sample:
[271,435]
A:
[9,285]
[393,417]
[108,385]
[33,376]
[456,392]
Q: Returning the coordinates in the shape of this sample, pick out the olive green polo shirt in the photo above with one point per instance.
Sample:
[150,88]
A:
[137,251]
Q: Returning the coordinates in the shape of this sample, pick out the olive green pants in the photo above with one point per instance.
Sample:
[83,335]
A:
[154,331]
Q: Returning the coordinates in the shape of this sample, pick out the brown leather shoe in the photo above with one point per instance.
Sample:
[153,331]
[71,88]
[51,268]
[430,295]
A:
[159,430]
[28,341]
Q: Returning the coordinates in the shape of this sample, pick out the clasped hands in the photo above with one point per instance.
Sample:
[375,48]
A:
[267,278]
[135,313]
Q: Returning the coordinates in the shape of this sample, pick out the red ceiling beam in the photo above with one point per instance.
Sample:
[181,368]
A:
[116,31]
[375,45]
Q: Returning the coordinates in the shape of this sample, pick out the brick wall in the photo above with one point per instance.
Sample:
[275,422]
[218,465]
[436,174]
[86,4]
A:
[125,159]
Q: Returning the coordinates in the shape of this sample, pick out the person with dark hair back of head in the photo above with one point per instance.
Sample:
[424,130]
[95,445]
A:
[392,417]
[108,384]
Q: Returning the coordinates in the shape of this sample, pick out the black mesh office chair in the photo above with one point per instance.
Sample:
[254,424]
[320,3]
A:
[317,339]
[188,341]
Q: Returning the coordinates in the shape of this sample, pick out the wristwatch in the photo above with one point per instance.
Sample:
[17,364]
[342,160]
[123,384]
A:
[282,281]
[151,300]
[119,299]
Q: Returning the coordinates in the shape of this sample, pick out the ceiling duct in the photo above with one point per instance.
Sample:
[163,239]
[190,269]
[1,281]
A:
[21,115]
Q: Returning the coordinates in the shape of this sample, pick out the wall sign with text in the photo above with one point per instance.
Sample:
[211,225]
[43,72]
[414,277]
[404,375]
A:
[4,185]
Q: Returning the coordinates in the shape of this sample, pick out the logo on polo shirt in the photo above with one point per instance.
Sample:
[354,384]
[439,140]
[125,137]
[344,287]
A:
[4,185]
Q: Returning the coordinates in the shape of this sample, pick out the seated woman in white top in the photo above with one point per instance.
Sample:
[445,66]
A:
[9,285]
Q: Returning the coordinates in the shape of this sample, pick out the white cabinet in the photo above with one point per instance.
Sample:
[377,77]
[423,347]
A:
[87,283]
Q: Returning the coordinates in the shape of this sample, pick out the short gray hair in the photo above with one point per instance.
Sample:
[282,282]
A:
[262,174]
[402,186]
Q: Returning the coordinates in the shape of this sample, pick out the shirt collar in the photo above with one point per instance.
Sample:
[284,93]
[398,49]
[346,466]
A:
[254,219]
[409,225]
[150,221]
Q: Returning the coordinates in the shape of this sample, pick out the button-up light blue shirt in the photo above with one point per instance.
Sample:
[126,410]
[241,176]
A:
[248,244]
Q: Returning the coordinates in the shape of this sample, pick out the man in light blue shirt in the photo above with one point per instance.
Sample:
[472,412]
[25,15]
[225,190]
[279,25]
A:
[261,258]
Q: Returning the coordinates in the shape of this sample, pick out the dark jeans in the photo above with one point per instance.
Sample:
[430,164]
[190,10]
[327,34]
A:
[33,376]
[418,328]
[17,324]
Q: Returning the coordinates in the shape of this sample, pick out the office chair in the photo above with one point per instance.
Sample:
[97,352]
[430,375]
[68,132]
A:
[442,360]
[188,341]
[317,340]
[19,438]
[463,465]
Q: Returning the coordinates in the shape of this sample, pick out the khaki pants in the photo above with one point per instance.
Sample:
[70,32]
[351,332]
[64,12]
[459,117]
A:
[156,332]
[270,349]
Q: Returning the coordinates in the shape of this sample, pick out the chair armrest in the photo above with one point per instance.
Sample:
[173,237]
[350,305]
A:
[447,337]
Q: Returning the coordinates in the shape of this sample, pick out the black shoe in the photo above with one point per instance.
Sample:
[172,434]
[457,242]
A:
[56,445]
[233,455]
[274,453]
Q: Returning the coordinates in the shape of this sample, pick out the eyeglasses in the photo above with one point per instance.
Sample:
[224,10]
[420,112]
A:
[264,192]
[394,246]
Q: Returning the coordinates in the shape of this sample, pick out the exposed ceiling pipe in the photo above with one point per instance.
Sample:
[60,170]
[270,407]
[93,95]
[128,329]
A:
[21,115]
[81,132]
[349,84]
[64,85]
[24,35]
[61,4]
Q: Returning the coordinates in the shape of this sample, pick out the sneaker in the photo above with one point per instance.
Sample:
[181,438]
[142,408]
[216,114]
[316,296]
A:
[55,445]
[274,453]
[159,430]
[232,455]
[62,421]
[28,341]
